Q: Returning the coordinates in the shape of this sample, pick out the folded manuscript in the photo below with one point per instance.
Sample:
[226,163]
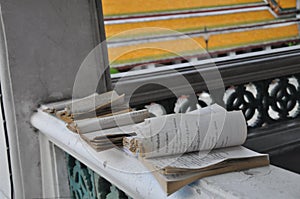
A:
[102,120]
[181,148]
[109,138]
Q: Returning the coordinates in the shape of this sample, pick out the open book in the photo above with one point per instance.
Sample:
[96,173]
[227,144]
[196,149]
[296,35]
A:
[181,148]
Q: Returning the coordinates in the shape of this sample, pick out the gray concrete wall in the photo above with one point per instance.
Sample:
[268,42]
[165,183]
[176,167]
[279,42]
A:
[46,41]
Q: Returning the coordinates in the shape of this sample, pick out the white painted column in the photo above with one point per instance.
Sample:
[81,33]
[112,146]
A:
[53,170]
[5,189]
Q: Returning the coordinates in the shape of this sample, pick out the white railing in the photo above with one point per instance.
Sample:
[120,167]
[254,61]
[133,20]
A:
[264,182]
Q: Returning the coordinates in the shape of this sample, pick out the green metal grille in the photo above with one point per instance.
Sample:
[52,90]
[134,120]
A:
[86,184]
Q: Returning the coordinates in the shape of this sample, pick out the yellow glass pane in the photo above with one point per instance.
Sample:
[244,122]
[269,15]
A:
[285,4]
[194,23]
[124,7]
[152,51]
[253,36]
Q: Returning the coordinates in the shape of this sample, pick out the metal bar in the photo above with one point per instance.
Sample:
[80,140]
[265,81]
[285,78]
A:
[102,41]
[241,70]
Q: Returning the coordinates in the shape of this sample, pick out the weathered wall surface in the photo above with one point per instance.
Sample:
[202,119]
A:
[47,41]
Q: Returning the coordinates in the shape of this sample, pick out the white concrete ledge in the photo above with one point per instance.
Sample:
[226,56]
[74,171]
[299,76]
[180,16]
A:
[128,174]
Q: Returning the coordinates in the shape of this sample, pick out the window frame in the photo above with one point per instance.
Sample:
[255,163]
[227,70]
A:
[235,70]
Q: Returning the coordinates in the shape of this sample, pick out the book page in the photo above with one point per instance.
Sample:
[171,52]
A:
[95,124]
[199,160]
[109,132]
[95,101]
[202,130]
[55,106]
[85,104]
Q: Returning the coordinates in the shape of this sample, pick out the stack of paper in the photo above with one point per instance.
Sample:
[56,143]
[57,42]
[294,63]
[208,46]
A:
[102,120]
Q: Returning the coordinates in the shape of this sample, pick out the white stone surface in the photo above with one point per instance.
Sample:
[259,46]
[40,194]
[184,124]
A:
[46,43]
[132,177]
